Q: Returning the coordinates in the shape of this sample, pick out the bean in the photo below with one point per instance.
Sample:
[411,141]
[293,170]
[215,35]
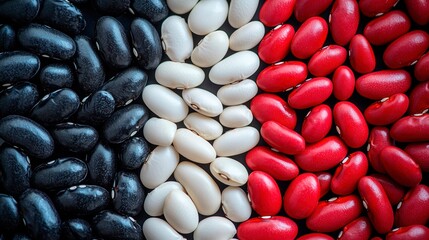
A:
[235,204]
[96,108]
[344,20]
[146,43]
[176,38]
[327,60]
[7,37]
[56,76]
[359,228]
[183,219]
[18,99]
[226,145]
[207,16]
[127,194]
[75,137]
[153,10]
[409,232]
[264,194]
[181,6]
[282,138]
[274,227]
[205,127]
[229,171]
[418,98]
[417,11]
[375,8]
[343,82]
[151,131]
[276,12]
[177,75]
[312,34]
[158,166]
[241,13]
[247,36]
[379,138]
[202,101]
[347,175]
[269,107]
[76,228]
[307,8]
[319,88]
[133,153]
[317,123]
[102,165]
[110,225]
[154,201]
[325,179]
[215,228]
[345,115]
[193,147]
[399,81]
[112,7]
[21,11]
[413,208]
[17,66]
[211,49]
[11,217]
[388,110]
[419,152]
[275,45]
[269,79]
[157,228]
[236,116]
[237,93]
[411,128]
[394,191]
[315,236]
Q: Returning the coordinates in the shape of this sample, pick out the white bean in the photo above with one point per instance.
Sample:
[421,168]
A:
[165,103]
[159,166]
[238,92]
[202,101]
[241,12]
[205,127]
[211,49]
[236,141]
[235,204]
[200,186]
[247,36]
[181,6]
[215,228]
[238,66]
[229,171]
[180,212]
[159,229]
[179,75]
[176,38]
[193,147]
[159,131]
[154,201]
[236,116]
[207,16]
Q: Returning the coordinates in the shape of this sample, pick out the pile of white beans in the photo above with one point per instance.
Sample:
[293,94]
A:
[182,152]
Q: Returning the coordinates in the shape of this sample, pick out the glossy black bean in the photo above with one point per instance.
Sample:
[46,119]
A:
[89,69]
[17,66]
[102,165]
[112,7]
[59,174]
[153,10]
[7,38]
[10,217]
[113,226]
[146,43]
[126,86]
[133,153]
[25,133]
[128,194]
[82,200]
[73,137]
[55,76]
[19,11]
[95,109]
[46,41]
[62,15]
[15,170]
[78,1]
[18,99]
[112,42]
[21,236]
[76,229]
[56,106]
[125,123]
[40,216]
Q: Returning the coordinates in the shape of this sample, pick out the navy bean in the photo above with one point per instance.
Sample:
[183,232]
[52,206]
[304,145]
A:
[76,229]
[19,11]
[7,38]
[15,170]
[128,194]
[73,137]
[17,66]
[10,217]
[18,99]
[133,153]
[55,76]
[153,10]
[146,43]
[46,41]
[102,165]
[21,236]
[28,135]
[113,226]
[96,108]
[112,7]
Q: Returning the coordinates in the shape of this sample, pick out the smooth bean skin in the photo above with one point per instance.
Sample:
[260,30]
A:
[153,10]
[419,98]
[181,6]
[20,11]
[237,93]
[362,58]
[184,219]
[56,76]
[358,229]
[207,16]
[273,13]
[154,201]
[127,194]
[413,208]
[211,49]
[15,170]
[17,66]
[310,93]
[236,116]
[327,60]
[102,165]
[306,8]
[410,232]
[113,226]
[157,228]
[411,128]
[317,123]
[282,138]
[226,145]
[344,21]
[309,38]
[229,171]
[177,75]
[76,228]
[247,36]
[74,137]
[375,8]
[419,152]
[394,191]
[240,13]
[378,139]
[202,101]
[18,99]
[264,194]
[205,127]
[10,216]
[350,124]
[275,45]
[235,204]
[146,43]
[96,108]
[133,153]
[388,110]
[269,107]
[193,147]
[7,37]
[214,227]
[343,82]
[176,37]
[347,175]
[272,78]
[112,7]
[325,179]
[399,81]
[260,228]
[315,236]
[417,10]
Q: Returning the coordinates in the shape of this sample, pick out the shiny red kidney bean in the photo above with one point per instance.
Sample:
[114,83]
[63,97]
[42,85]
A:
[348,173]
[343,81]
[344,21]
[413,128]
[421,69]
[384,83]
[419,98]
[325,179]
[387,28]
[309,38]
[379,138]
[418,10]
[326,60]
[261,228]
[377,204]
[358,229]
[276,44]
[280,167]
[361,55]
[322,155]
[375,8]
[406,50]
[305,9]
[282,138]
[267,107]
[315,236]
[413,232]
[310,93]
[282,76]
[394,191]
[350,124]
[419,152]
[335,213]
[275,12]
[264,194]
[414,208]
[317,123]
[302,196]
[387,110]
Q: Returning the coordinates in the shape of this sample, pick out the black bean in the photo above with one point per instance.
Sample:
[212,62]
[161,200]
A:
[15,170]
[112,7]
[55,76]
[95,109]
[76,229]
[113,226]
[77,138]
[102,165]
[17,66]
[128,194]
[153,10]
[7,38]
[78,1]
[18,99]
[146,43]
[133,153]
[10,217]
[21,236]
[19,11]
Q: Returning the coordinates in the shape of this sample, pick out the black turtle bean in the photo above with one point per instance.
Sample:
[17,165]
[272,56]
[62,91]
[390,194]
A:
[55,76]
[46,41]
[10,217]
[21,236]
[133,153]
[146,43]
[76,229]
[19,11]
[96,108]
[102,165]
[40,216]
[18,99]
[25,133]
[153,10]
[59,174]
[7,38]
[77,138]
[17,66]
[15,170]
[113,226]
[128,194]
[112,7]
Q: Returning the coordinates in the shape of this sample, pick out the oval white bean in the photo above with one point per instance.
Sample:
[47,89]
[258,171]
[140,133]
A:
[193,147]
[247,36]
[200,186]
[159,131]
[205,127]
[176,38]
[235,204]
[154,201]
[238,66]
[241,12]
[159,229]
[180,212]
[202,101]
[215,228]
[229,171]
[236,141]
[165,103]
[238,92]
[159,166]
[236,116]
[207,16]
[181,6]
[211,49]
[179,75]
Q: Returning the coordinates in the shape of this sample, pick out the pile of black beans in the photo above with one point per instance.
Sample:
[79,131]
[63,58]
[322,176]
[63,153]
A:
[71,76]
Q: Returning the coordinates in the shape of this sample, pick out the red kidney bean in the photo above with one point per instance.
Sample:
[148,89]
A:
[317,123]
[276,12]
[309,38]
[310,93]
[348,173]
[325,179]
[406,50]
[322,155]
[344,21]
[343,82]
[266,107]
[379,138]
[332,215]
[282,138]
[419,98]
[276,44]
[304,9]
[375,8]
[377,204]
[326,60]
[393,190]
[418,9]
[413,128]
[384,83]
[413,232]
[421,69]
[414,208]
[387,110]
[261,228]
[361,55]
[315,236]
[419,152]
[376,238]
[277,165]
[350,124]
[282,76]
[264,194]
[358,229]
[302,196]
[387,28]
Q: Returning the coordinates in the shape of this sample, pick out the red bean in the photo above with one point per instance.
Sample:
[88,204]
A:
[358,229]
[261,228]
[350,124]
[384,83]
[282,138]
[379,138]
[266,107]
[325,182]
[317,123]
[418,9]
[374,8]
[361,55]
[315,236]
[326,60]
[413,128]
[344,21]
[419,98]
[311,93]
[414,208]
[264,194]
[413,232]
[309,38]
[419,152]
[421,69]
[275,12]
[304,9]
[343,82]
[348,173]
[387,110]
[394,191]
[282,76]
[276,44]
